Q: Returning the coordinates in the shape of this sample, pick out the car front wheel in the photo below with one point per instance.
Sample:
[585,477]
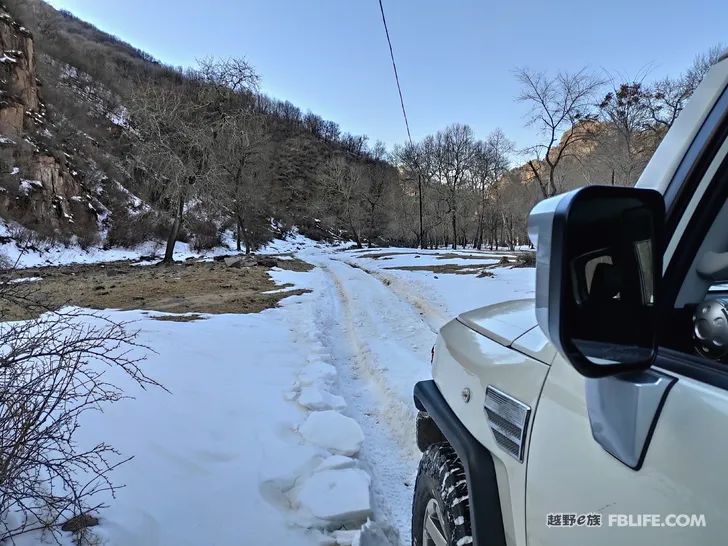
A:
[441,508]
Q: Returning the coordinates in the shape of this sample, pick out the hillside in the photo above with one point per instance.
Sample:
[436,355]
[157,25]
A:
[68,152]
[41,187]
[106,146]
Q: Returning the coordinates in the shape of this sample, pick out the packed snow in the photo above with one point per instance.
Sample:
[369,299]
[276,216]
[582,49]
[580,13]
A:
[295,425]
[336,496]
[333,431]
[314,397]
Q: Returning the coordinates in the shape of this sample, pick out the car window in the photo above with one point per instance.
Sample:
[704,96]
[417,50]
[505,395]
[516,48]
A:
[704,251]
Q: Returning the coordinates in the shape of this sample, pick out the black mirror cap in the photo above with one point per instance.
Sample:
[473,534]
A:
[557,227]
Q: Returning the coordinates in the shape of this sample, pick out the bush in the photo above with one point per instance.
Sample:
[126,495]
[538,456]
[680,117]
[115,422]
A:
[5,261]
[53,370]
[87,240]
[204,234]
[128,230]
[527,259]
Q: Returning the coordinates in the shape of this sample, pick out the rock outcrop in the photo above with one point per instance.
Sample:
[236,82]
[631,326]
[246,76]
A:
[38,186]
[19,93]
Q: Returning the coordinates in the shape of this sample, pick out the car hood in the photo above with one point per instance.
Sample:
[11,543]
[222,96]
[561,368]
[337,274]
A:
[512,324]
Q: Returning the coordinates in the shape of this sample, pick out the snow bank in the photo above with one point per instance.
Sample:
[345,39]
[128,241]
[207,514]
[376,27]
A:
[33,256]
[315,398]
[336,461]
[338,496]
[334,431]
[294,242]
[317,371]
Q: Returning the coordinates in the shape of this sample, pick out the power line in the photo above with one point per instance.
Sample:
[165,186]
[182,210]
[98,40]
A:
[406,124]
[396,75]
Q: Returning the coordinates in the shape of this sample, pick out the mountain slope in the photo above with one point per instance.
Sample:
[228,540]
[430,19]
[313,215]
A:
[39,186]
[79,119]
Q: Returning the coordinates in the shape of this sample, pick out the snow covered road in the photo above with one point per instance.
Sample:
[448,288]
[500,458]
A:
[381,347]
[293,425]
[380,325]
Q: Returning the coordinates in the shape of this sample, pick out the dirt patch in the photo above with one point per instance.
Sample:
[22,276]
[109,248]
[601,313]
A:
[470,269]
[187,287]
[494,255]
[178,318]
[454,256]
[384,255]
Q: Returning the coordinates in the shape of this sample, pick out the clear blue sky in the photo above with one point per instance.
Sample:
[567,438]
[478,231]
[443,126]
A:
[455,58]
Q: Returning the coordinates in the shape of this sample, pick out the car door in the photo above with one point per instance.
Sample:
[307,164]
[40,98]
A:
[675,491]
[571,473]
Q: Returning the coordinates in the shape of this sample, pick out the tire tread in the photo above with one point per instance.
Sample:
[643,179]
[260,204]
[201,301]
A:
[441,475]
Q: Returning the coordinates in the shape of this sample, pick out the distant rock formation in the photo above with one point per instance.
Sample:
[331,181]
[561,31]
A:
[38,187]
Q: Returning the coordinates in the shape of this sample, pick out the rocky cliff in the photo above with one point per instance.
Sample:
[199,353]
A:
[38,184]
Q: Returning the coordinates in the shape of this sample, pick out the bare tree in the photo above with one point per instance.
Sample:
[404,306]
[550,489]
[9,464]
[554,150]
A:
[240,136]
[230,77]
[342,184]
[454,151]
[624,135]
[244,189]
[667,97]
[701,64]
[174,133]
[171,150]
[377,180]
[559,106]
[53,369]
[413,161]
[490,164]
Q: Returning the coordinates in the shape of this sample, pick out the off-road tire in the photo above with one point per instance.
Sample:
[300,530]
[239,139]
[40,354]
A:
[441,477]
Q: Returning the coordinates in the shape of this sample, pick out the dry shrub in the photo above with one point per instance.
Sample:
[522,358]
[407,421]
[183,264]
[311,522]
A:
[129,230]
[204,234]
[53,369]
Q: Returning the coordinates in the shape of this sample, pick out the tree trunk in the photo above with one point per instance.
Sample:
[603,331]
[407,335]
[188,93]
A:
[239,235]
[357,240]
[172,239]
[419,190]
[454,232]
[372,222]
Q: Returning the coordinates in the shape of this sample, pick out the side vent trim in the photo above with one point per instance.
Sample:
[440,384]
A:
[508,419]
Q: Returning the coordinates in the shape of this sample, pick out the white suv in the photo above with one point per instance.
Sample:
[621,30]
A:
[597,414]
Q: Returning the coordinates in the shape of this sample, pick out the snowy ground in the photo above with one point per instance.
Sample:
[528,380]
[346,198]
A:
[24,255]
[293,425]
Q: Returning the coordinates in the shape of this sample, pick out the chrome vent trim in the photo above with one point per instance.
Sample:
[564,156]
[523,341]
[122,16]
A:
[508,420]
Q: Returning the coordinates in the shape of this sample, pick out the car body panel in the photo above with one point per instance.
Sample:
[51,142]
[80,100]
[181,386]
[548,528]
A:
[467,359]
[535,344]
[502,322]
[569,472]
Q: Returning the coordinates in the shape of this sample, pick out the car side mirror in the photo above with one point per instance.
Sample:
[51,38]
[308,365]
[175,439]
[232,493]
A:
[598,266]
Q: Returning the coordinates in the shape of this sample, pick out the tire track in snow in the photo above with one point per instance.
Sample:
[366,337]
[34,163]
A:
[396,411]
[432,315]
[387,417]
